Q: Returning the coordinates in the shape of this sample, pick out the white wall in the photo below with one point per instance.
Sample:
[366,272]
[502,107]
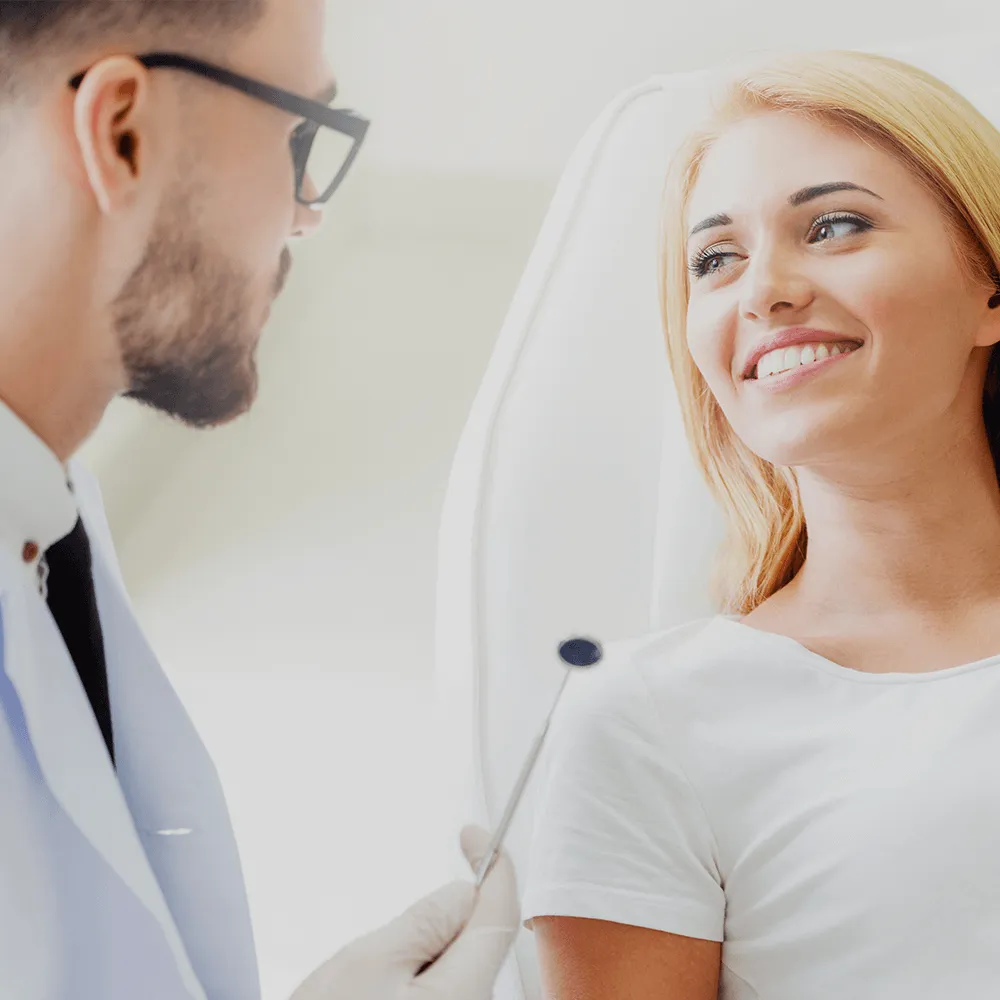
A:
[284,566]
[462,86]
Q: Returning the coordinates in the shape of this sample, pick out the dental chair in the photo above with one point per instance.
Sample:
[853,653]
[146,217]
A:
[574,507]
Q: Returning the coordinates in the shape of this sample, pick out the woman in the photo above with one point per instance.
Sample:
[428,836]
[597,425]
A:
[799,799]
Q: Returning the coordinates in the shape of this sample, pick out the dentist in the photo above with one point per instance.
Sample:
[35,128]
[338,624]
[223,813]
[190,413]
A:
[156,156]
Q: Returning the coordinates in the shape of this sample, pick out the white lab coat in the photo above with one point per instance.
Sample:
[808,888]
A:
[121,886]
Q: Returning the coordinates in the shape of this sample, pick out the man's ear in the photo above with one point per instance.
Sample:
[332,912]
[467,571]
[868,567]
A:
[110,122]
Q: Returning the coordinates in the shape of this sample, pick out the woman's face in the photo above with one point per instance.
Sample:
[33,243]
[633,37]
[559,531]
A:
[891,338]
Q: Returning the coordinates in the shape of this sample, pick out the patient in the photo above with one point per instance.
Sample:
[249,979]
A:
[799,798]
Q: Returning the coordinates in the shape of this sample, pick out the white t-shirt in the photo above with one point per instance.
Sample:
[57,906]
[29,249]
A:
[839,831]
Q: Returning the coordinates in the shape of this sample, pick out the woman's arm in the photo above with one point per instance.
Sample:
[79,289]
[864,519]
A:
[585,959]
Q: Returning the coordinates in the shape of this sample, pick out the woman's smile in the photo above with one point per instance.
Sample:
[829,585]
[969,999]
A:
[775,375]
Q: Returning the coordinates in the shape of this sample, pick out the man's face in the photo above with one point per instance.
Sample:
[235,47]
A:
[190,316]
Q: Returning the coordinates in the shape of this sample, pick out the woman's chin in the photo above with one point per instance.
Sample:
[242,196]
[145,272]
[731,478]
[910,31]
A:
[802,442]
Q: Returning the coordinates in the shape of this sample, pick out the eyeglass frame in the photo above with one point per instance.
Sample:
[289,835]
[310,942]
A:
[317,114]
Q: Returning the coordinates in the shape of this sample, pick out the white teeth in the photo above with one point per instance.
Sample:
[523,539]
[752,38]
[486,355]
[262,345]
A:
[785,358]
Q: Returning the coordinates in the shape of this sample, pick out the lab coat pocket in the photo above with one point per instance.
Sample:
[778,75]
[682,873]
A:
[178,854]
[175,852]
[199,876]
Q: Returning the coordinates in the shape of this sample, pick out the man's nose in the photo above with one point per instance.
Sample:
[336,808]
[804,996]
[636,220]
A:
[307,220]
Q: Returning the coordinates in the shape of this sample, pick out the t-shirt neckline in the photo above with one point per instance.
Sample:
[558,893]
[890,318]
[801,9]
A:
[820,662]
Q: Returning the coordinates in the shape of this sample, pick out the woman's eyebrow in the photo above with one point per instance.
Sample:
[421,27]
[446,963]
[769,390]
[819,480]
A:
[712,222]
[799,198]
[808,193]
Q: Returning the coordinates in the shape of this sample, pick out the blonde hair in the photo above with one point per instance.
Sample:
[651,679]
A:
[949,147]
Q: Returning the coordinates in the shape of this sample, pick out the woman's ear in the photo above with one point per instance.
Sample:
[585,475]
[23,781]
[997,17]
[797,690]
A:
[988,333]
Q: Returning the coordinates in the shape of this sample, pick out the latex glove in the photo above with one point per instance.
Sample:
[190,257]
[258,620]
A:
[476,928]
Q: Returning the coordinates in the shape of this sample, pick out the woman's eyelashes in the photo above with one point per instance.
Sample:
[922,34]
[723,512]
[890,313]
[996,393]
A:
[832,225]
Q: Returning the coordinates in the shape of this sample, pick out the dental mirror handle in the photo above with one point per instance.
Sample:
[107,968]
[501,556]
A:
[576,652]
[496,841]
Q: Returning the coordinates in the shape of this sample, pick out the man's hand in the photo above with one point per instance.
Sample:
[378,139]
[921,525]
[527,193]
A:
[474,931]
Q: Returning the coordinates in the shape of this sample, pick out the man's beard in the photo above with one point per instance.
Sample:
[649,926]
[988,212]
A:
[186,325]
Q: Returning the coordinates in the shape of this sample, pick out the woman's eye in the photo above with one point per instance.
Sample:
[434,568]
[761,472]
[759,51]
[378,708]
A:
[833,226]
[707,262]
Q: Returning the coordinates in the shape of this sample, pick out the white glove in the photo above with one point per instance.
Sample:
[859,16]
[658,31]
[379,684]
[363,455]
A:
[477,930]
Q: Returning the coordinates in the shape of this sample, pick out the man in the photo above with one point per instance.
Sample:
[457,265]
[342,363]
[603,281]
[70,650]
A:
[156,156]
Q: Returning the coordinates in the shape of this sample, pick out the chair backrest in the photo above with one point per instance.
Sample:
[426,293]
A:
[574,506]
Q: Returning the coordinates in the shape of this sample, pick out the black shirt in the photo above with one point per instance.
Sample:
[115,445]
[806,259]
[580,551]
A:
[73,603]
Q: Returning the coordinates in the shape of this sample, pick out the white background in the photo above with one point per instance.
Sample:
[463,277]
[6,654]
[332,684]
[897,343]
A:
[284,566]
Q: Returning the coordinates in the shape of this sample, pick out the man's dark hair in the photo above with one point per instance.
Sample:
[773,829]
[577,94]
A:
[31,30]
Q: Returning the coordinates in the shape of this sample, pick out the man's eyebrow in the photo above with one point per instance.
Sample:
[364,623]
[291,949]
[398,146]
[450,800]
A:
[799,198]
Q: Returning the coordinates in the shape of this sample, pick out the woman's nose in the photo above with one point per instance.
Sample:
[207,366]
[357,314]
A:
[773,283]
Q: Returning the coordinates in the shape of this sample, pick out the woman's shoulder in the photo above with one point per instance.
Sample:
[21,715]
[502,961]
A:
[691,652]
[675,664]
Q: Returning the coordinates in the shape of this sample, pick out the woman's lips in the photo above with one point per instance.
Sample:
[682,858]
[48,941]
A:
[794,376]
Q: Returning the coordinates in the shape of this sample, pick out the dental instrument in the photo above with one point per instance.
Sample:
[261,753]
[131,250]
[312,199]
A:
[577,652]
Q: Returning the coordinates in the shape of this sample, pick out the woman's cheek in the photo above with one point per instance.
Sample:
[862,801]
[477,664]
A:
[880,291]
[711,351]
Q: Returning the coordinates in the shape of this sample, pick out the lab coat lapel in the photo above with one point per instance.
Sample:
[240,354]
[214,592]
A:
[71,753]
[175,797]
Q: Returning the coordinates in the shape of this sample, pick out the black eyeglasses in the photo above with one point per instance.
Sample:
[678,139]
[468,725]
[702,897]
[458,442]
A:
[323,147]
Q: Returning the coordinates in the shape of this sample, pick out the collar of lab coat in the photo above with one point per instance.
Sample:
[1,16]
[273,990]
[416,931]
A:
[36,504]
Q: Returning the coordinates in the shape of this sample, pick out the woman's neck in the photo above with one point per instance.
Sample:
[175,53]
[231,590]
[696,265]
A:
[918,534]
